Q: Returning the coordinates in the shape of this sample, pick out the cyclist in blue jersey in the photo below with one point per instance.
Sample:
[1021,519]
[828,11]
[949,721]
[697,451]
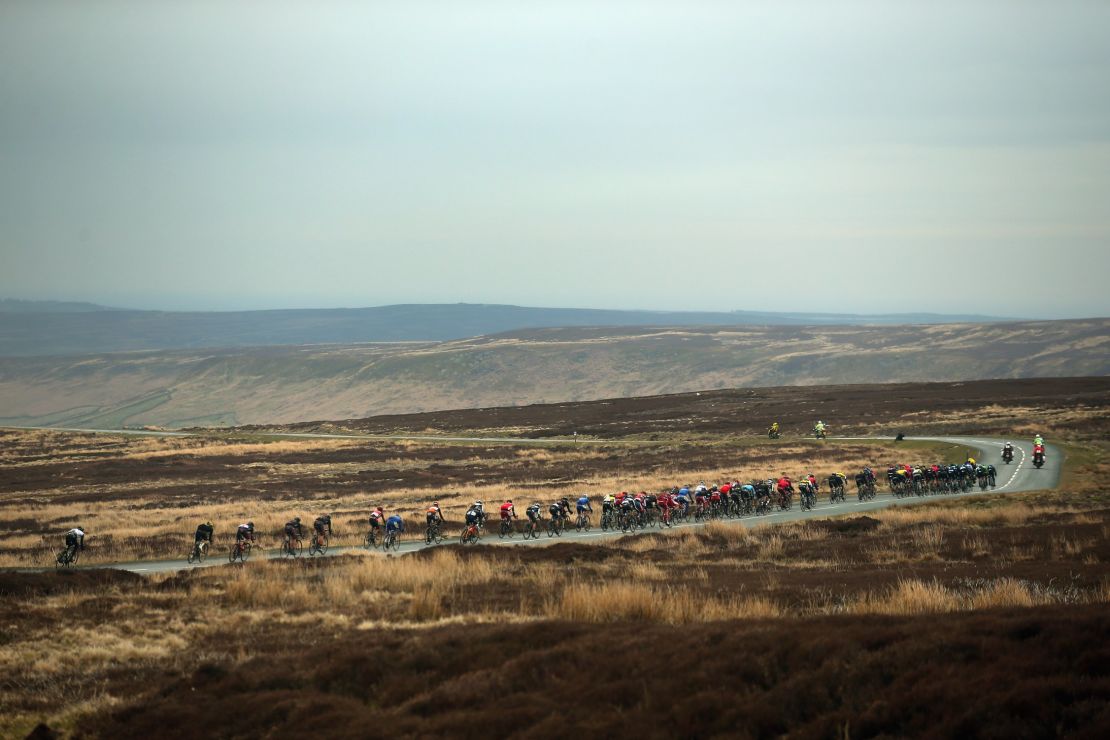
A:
[683,499]
[394,524]
[584,504]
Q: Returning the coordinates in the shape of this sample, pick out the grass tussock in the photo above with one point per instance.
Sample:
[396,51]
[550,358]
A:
[912,597]
[633,602]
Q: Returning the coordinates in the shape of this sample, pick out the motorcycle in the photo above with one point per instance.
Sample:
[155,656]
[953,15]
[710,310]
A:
[1007,456]
[820,433]
[1038,459]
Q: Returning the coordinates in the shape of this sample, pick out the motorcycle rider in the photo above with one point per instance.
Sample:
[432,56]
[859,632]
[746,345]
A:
[1007,451]
[819,428]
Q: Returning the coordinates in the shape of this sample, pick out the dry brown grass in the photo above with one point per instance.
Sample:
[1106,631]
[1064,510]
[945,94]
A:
[633,602]
[912,596]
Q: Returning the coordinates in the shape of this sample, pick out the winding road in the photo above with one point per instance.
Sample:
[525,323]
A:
[1018,476]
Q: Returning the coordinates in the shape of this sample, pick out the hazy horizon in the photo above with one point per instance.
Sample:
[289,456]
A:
[488,303]
[858,157]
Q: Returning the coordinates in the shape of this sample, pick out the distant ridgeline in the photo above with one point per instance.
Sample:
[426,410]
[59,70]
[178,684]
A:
[282,384]
[30,328]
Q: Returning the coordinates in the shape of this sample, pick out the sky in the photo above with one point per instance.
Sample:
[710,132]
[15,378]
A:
[845,156]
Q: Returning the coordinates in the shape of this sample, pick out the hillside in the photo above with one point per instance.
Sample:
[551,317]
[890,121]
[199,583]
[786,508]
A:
[275,385]
[34,328]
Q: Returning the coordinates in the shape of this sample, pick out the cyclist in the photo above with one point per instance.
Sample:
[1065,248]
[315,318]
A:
[376,520]
[813,482]
[774,430]
[700,494]
[293,529]
[533,514]
[607,504]
[628,507]
[556,512]
[682,498]
[564,508]
[394,525]
[476,514]
[244,533]
[75,539]
[322,525]
[203,534]
[434,514]
[819,427]
[583,504]
[508,513]
[666,502]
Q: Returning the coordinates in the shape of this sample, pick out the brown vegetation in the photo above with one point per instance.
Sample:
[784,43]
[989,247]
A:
[407,643]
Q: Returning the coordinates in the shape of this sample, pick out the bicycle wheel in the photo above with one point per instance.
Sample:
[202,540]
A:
[192,556]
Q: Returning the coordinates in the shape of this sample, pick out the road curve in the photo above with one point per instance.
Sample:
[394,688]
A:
[1018,476]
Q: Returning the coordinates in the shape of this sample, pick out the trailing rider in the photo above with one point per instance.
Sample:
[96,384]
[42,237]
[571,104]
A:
[75,540]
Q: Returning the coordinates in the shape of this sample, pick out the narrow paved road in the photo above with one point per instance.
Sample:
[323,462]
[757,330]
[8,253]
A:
[1018,476]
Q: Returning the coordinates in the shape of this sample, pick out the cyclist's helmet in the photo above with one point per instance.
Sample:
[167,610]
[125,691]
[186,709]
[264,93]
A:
[250,525]
[208,524]
[296,518]
[508,500]
[477,503]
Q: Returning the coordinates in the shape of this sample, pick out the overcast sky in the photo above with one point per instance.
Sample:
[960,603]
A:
[847,156]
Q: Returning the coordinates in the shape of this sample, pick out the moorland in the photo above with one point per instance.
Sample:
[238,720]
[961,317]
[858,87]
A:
[984,615]
[234,386]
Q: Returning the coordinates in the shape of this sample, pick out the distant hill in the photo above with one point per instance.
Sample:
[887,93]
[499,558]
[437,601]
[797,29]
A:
[74,328]
[15,305]
[271,385]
